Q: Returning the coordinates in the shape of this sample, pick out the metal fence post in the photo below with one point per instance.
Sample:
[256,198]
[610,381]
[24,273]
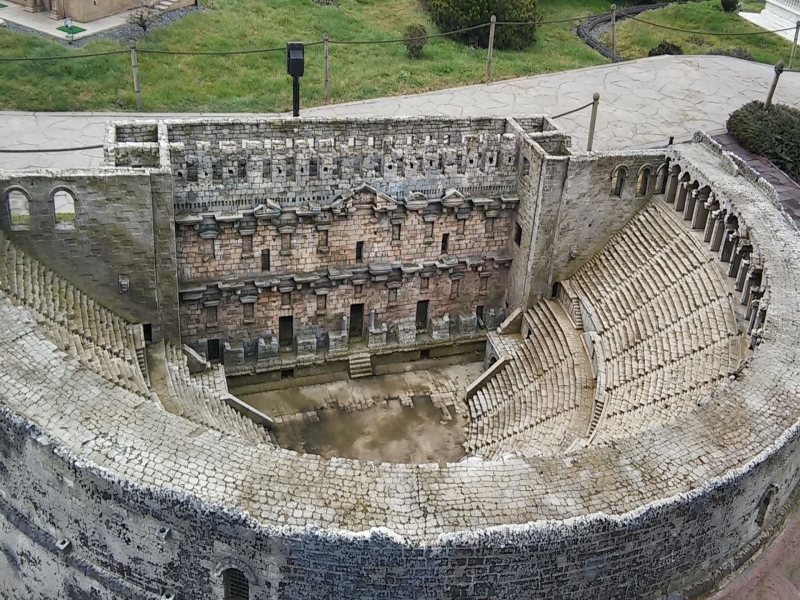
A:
[613,33]
[778,71]
[794,46]
[492,22]
[135,66]
[593,121]
[325,39]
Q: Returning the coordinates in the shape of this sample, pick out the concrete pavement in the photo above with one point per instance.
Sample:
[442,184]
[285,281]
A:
[642,102]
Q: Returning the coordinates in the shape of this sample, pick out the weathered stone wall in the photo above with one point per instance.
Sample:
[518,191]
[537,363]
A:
[404,260]
[123,229]
[568,209]
[590,212]
[228,164]
[133,542]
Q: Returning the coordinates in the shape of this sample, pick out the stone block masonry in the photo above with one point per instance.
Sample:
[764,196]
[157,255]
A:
[105,494]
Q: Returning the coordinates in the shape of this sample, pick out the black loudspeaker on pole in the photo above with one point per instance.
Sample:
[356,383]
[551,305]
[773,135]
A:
[295,66]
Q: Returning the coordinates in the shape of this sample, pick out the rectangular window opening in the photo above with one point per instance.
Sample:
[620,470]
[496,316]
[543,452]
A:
[424,283]
[322,239]
[517,234]
[211,315]
[249,311]
[287,373]
[359,251]
[265,260]
[148,332]
[455,285]
[445,242]
[286,242]
[396,233]
[489,228]
[242,168]
[322,303]
[286,299]
[460,226]
[247,245]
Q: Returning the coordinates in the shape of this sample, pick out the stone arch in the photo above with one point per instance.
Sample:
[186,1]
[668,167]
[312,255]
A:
[764,505]
[64,201]
[618,178]
[18,207]
[644,180]
[236,579]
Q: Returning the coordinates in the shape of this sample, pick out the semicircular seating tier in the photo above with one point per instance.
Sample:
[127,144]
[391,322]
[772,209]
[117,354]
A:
[660,322]
[659,335]
[538,400]
[113,348]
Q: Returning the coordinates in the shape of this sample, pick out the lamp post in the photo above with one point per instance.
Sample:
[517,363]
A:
[295,66]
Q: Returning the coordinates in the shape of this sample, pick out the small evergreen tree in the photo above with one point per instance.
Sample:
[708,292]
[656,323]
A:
[414,39]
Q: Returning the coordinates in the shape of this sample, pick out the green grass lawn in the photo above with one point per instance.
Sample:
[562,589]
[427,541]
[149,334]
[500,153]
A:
[258,82]
[635,39]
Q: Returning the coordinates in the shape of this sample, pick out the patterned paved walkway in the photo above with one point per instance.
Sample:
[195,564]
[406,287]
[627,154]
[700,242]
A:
[643,102]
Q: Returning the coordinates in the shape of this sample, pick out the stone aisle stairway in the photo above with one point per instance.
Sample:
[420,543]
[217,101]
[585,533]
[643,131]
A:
[360,365]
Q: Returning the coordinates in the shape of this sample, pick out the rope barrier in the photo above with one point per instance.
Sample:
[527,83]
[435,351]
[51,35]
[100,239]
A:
[390,41]
[396,40]
[43,150]
[218,53]
[708,32]
[24,58]
[569,112]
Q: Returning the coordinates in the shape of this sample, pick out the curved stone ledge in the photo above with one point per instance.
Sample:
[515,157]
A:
[76,452]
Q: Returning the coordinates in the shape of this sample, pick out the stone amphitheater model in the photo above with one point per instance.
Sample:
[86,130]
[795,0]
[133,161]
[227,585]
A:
[634,433]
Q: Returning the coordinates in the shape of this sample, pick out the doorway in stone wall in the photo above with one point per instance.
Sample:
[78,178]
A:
[356,320]
[213,352]
[422,315]
[285,332]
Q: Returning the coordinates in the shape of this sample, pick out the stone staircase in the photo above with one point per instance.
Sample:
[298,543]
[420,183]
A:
[360,365]
[167,5]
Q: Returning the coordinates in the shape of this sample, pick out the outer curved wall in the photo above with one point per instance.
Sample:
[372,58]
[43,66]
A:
[116,546]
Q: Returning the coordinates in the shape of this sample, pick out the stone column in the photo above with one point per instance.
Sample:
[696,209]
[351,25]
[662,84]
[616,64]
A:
[680,201]
[672,185]
[700,210]
[718,233]
[691,202]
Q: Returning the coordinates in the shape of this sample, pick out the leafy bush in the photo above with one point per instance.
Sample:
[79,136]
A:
[730,5]
[736,52]
[451,15]
[412,41]
[773,132]
[665,47]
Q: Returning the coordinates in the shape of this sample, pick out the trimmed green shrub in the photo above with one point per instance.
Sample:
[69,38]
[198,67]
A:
[665,47]
[412,41]
[730,5]
[736,52]
[772,132]
[451,15]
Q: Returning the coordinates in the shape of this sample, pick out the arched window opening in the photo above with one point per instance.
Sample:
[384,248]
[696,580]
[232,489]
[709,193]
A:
[236,585]
[64,209]
[492,360]
[620,175]
[19,210]
[763,505]
[643,185]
